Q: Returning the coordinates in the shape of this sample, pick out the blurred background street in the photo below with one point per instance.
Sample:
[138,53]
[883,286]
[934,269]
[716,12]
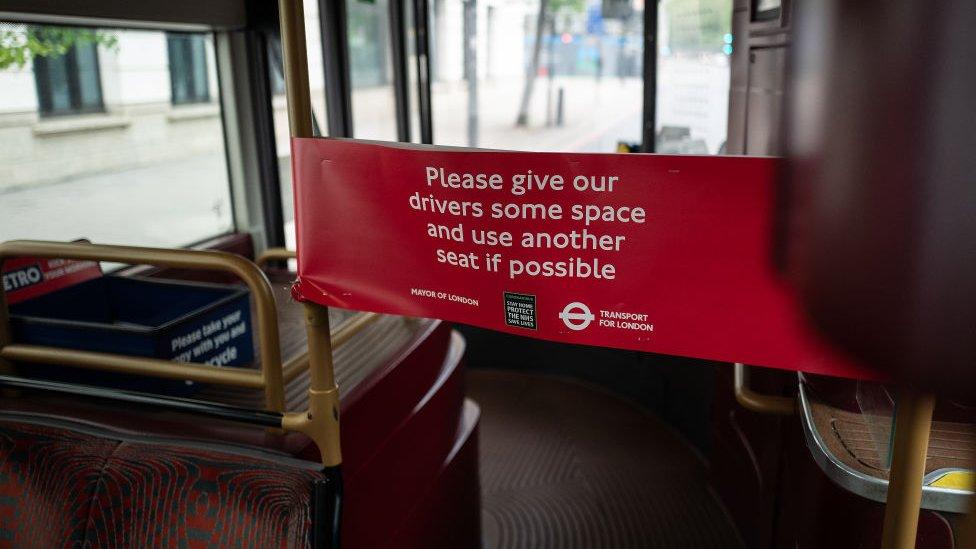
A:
[130,148]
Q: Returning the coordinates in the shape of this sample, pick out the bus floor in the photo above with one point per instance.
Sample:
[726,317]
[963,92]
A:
[566,465]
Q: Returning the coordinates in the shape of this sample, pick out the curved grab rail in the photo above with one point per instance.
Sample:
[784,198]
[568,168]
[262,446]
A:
[758,402]
[269,377]
[296,365]
[274,254]
[320,422]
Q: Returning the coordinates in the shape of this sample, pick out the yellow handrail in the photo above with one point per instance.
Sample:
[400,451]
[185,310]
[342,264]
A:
[274,254]
[152,367]
[317,422]
[321,421]
[758,402]
[268,378]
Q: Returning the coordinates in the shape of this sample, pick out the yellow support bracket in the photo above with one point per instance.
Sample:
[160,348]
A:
[758,402]
[274,254]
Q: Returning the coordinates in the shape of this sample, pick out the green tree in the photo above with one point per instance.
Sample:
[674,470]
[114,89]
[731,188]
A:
[22,43]
[547,9]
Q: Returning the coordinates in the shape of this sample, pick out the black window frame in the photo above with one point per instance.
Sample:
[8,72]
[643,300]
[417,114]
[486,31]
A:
[42,83]
[184,40]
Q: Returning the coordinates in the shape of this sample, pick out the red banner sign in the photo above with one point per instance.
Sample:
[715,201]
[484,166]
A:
[666,254]
[24,277]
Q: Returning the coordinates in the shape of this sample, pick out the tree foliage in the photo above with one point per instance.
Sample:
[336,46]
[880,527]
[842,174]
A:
[698,25]
[22,43]
[557,6]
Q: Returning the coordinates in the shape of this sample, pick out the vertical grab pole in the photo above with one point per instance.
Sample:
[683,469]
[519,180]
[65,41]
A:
[295,62]
[323,417]
[321,421]
[913,422]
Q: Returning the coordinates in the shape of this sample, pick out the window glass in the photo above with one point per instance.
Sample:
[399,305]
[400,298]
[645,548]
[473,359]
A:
[564,75]
[89,87]
[371,70]
[188,68]
[52,85]
[139,170]
[316,82]
[66,77]
[695,42]
[275,68]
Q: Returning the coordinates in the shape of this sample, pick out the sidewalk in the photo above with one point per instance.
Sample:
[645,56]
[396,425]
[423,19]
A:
[596,114]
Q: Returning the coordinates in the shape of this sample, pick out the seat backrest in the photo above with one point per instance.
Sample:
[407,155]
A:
[65,484]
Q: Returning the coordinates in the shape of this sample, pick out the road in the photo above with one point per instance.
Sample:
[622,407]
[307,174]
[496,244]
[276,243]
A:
[168,204]
[185,200]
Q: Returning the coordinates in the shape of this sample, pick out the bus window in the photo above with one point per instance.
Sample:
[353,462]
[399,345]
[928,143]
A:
[371,70]
[110,134]
[694,46]
[555,76]
[316,82]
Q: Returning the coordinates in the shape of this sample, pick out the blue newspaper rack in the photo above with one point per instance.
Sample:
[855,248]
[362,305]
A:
[164,319]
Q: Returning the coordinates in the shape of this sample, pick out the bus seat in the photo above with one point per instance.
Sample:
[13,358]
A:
[402,386]
[856,429]
[69,484]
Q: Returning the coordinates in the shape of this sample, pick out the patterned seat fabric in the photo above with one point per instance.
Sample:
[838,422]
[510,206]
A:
[65,488]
